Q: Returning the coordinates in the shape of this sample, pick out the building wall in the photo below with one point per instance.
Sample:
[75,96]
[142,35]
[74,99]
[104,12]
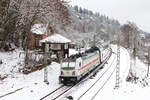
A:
[32,41]
[32,45]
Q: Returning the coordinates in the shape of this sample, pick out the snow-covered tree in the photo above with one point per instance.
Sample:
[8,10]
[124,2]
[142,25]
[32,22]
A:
[51,12]
[17,17]
[9,17]
[76,8]
[80,10]
[128,31]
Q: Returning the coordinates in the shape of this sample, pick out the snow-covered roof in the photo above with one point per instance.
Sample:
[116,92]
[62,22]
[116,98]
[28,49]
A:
[56,38]
[38,29]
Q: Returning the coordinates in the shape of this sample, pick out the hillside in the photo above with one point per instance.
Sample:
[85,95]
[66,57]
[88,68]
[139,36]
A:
[86,22]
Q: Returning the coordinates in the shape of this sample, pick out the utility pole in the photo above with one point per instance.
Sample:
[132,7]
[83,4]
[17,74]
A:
[118,64]
[45,63]
[148,59]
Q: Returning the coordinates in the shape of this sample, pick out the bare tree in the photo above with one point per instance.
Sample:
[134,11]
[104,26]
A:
[52,12]
[147,56]
[128,31]
[8,21]
[18,16]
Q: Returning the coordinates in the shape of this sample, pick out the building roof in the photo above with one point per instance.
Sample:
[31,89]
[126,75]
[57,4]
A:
[56,38]
[38,29]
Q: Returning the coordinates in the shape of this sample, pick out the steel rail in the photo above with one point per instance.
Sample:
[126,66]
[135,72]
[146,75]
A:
[96,80]
[103,84]
[52,92]
[59,95]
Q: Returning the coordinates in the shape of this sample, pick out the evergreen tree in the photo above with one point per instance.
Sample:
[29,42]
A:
[80,10]
[76,8]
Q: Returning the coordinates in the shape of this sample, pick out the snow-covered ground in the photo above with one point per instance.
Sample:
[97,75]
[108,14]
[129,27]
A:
[33,87]
[11,62]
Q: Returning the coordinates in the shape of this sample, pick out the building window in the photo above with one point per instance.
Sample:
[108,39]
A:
[55,46]
[36,42]
[66,46]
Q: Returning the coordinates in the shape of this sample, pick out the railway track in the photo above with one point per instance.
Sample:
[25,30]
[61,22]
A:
[11,92]
[103,84]
[98,81]
[57,93]
[52,92]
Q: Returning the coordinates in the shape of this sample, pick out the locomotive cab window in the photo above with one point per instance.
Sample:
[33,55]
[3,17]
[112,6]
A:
[68,65]
[71,64]
[79,64]
[64,64]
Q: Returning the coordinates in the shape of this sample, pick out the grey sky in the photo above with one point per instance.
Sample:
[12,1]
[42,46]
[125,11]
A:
[137,11]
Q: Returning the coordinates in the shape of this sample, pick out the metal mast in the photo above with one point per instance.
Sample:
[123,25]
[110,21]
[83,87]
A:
[45,63]
[118,64]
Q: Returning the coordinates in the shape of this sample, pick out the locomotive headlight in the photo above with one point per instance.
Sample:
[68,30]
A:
[73,73]
[62,79]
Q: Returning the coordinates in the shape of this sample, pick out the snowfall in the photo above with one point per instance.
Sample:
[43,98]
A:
[18,86]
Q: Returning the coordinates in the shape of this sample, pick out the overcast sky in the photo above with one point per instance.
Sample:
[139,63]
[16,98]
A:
[137,11]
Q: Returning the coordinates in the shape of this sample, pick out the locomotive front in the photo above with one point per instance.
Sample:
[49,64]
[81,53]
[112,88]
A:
[68,73]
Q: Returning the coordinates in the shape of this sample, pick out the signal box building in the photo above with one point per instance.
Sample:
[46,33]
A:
[58,44]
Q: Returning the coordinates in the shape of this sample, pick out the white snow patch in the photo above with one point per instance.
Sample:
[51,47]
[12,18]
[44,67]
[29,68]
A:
[38,29]
[56,38]
[11,62]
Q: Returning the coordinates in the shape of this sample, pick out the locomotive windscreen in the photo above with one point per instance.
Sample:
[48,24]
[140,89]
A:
[68,65]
